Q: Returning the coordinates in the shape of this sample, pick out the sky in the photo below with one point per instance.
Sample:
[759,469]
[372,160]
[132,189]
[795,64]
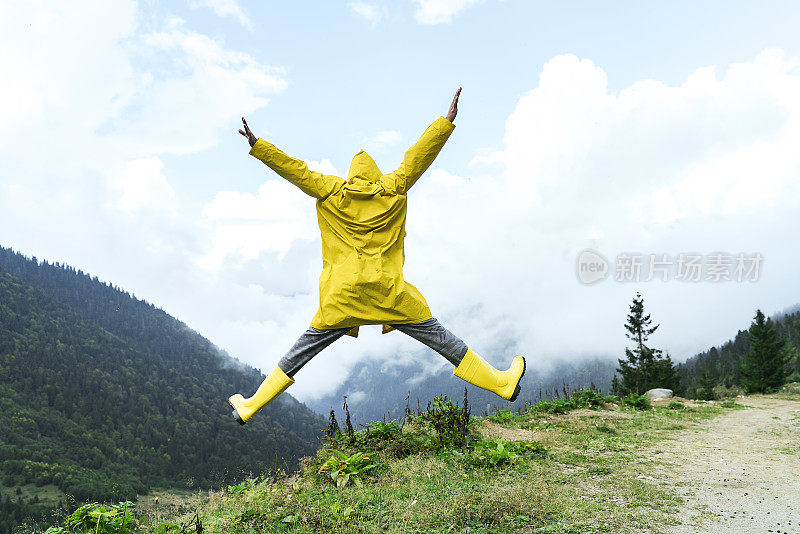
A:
[591,138]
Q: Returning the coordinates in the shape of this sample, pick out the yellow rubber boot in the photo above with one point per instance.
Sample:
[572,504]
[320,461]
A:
[275,384]
[479,372]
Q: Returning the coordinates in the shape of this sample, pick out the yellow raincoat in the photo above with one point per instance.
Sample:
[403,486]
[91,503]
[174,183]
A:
[362,221]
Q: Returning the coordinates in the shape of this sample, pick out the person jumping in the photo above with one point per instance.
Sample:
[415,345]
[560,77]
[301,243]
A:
[362,222]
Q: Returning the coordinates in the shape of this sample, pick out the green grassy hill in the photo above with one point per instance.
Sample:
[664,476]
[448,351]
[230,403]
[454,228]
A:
[561,466]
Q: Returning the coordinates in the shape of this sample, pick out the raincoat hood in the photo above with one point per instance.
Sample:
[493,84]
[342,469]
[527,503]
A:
[364,167]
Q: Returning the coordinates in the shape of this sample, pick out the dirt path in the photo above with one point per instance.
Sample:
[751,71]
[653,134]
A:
[739,472]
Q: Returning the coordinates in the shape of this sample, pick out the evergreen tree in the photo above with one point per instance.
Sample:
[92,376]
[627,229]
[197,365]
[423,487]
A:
[644,367]
[706,390]
[764,368]
[666,375]
[615,386]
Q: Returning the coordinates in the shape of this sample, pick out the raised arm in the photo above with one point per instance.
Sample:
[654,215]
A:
[295,170]
[421,155]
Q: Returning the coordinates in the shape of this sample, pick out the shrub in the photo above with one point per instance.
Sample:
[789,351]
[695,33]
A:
[675,405]
[590,398]
[640,402]
[450,422]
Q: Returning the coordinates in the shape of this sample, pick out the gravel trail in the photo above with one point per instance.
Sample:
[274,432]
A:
[739,472]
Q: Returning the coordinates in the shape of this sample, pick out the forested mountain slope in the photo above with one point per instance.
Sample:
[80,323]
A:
[723,364]
[104,395]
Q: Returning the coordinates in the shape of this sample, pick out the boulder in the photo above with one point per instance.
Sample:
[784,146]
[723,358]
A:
[658,394]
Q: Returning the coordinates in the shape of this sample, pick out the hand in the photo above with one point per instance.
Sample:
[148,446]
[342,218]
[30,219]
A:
[451,115]
[248,134]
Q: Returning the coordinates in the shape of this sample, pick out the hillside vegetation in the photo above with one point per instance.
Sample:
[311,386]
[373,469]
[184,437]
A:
[103,396]
[722,368]
[567,465]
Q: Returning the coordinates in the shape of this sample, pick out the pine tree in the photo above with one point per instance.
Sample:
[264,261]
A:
[615,386]
[666,374]
[706,389]
[764,367]
[644,367]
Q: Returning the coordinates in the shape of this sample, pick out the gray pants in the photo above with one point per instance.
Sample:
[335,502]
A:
[429,332]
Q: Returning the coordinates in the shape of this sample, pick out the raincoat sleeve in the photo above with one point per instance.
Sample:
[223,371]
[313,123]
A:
[420,156]
[312,183]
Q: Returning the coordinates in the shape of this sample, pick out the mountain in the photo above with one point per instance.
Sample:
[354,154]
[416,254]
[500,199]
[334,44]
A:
[722,364]
[103,395]
[380,391]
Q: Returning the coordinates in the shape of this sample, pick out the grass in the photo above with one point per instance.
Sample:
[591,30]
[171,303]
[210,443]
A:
[578,471]
[561,466]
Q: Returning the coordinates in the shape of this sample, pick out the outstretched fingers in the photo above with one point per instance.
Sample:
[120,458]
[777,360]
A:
[248,133]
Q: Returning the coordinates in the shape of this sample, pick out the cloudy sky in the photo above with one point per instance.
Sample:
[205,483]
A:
[629,129]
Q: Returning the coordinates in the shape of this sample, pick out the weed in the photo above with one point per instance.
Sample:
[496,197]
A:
[450,422]
[676,405]
[343,468]
[333,432]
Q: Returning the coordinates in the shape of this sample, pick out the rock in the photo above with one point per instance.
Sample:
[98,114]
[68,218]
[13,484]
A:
[658,394]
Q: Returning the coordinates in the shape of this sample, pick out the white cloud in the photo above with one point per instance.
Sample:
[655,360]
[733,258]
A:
[189,72]
[60,63]
[653,168]
[441,176]
[108,91]
[371,12]
[381,141]
[440,11]
[142,185]
[225,8]
[247,225]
